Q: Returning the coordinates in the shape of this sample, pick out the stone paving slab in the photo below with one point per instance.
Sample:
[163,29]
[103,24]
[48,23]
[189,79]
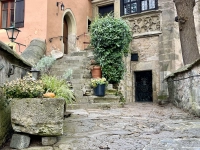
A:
[140,126]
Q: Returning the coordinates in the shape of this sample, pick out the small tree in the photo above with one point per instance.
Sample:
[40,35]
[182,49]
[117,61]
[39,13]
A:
[110,37]
[187,31]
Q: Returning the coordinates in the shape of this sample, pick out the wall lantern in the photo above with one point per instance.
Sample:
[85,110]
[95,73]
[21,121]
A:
[62,6]
[12,33]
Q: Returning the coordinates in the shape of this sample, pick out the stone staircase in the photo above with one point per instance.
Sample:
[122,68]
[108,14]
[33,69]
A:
[79,62]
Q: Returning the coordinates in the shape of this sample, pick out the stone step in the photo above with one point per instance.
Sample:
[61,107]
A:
[86,53]
[80,53]
[71,63]
[80,81]
[83,101]
[71,57]
[93,106]
[106,98]
[75,70]
[72,66]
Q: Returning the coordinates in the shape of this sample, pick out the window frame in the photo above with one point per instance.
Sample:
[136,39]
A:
[9,10]
[18,13]
[139,5]
[100,8]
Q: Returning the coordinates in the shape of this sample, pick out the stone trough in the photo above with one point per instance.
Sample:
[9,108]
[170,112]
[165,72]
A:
[37,116]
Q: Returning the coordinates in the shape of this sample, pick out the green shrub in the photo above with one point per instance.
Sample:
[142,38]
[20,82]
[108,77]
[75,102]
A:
[23,88]
[44,64]
[110,38]
[30,88]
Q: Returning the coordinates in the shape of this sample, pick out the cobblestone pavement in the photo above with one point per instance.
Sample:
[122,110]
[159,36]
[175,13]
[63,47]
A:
[139,126]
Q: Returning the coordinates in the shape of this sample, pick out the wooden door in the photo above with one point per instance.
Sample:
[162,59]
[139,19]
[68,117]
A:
[65,36]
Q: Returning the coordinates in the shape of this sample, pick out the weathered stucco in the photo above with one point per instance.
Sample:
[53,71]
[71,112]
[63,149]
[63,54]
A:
[44,20]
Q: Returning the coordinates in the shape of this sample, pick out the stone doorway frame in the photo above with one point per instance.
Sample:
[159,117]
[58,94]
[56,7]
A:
[72,30]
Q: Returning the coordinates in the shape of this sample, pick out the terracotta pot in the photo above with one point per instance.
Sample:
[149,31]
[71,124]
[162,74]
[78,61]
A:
[96,72]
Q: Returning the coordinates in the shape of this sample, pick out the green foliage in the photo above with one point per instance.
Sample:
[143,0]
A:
[29,88]
[58,86]
[110,38]
[122,99]
[68,74]
[45,64]
[23,88]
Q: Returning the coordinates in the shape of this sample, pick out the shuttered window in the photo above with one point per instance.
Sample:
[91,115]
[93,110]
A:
[19,14]
[12,13]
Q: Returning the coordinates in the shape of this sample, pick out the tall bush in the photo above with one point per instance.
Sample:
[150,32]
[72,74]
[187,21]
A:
[110,38]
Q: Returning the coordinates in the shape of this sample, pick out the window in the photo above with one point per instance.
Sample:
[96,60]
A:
[134,57]
[9,15]
[137,6]
[103,10]
[88,25]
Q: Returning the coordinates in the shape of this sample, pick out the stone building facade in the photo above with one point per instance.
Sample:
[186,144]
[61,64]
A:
[155,48]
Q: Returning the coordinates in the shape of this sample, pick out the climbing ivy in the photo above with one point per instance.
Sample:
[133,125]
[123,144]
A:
[110,38]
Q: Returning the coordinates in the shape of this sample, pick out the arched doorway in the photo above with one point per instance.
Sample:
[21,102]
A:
[69,31]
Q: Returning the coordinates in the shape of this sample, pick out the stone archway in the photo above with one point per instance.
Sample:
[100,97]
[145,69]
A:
[69,32]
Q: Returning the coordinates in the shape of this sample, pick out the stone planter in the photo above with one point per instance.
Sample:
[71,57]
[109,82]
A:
[38,116]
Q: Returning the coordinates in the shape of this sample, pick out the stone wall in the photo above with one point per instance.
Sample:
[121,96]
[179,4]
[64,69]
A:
[5,124]
[184,88]
[12,66]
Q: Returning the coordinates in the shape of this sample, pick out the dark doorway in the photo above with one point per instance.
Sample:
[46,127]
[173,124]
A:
[143,86]
[104,10]
[65,36]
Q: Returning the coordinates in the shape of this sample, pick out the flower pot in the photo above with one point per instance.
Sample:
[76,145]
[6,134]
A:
[100,90]
[96,72]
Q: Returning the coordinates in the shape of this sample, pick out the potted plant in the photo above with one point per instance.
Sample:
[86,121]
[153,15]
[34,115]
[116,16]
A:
[30,111]
[110,38]
[95,69]
[99,86]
